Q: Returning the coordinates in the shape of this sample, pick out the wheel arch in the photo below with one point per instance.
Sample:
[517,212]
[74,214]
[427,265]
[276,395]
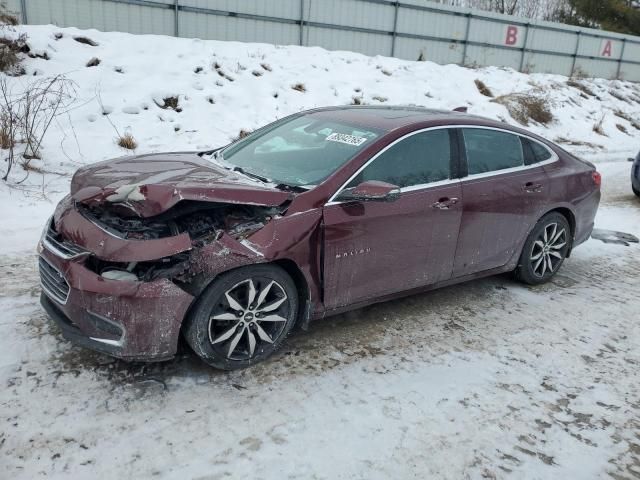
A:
[571,218]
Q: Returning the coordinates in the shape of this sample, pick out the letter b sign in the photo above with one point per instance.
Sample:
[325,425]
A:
[512,36]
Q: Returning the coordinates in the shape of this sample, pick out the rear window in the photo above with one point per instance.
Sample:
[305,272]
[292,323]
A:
[535,152]
[491,150]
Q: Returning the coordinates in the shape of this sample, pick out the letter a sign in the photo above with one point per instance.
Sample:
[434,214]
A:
[606,49]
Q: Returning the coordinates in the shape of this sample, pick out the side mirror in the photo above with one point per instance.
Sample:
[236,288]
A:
[370,191]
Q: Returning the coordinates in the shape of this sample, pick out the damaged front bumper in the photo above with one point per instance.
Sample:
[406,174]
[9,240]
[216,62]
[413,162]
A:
[128,320]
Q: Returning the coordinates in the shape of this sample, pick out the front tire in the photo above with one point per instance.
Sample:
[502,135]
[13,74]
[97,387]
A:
[243,317]
[545,250]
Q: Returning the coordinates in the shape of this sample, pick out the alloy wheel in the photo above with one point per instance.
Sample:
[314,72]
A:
[548,249]
[250,315]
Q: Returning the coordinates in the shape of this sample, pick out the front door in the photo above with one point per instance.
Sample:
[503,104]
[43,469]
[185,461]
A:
[378,248]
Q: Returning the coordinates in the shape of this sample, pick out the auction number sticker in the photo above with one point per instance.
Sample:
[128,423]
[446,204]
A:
[348,139]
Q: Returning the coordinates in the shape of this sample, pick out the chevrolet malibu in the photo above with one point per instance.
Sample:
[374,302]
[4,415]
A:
[318,213]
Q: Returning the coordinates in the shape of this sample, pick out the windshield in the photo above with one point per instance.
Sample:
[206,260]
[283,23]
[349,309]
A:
[302,151]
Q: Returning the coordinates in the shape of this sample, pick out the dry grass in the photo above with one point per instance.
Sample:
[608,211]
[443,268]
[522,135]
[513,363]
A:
[299,87]
[94,62]
[379,98]
[625,116]
[243,133]
[483,89]
[525,108]
[597,127]
[422,57]
[256,73]
[578,143]
[582,87]
[617,95]
[86,41]
[385,72]
[127,141]
[622,128]
[170,102]
[266,66]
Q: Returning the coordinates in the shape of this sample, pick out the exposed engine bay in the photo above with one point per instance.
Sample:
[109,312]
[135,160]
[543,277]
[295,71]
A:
[203,221]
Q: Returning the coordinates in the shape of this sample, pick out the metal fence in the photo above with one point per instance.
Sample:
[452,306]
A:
[408,29]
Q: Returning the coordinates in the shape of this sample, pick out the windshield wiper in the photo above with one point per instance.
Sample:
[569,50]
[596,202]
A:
[251,175]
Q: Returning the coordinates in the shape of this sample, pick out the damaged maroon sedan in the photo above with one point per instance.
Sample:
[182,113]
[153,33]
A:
[318,213]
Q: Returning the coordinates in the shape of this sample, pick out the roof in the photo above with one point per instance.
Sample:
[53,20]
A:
[389,118]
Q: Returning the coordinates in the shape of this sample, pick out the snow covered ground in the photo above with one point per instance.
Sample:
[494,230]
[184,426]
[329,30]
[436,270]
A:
[490,379]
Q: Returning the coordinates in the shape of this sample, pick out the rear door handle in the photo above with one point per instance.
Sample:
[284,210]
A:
[532,187]
[444,203]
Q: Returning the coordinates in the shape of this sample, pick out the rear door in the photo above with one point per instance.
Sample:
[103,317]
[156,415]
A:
[504,194]
[378,248]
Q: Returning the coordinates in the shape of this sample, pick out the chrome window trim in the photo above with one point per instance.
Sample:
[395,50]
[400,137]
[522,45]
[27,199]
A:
[425,186]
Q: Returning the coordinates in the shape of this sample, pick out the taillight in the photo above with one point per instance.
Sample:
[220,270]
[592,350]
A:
[597,178]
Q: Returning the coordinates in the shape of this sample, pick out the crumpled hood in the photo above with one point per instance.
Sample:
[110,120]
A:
[151,184]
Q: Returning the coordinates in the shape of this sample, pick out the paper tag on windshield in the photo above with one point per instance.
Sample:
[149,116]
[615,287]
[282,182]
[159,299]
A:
[348,139]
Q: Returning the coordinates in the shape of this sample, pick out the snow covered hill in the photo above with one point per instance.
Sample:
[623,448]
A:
[186,94]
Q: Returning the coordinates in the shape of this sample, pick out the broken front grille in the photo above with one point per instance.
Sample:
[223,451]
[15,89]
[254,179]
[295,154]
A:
[62,248]
[53,282]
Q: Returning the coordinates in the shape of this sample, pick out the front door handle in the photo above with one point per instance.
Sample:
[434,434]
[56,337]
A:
[444,203]
[532,187]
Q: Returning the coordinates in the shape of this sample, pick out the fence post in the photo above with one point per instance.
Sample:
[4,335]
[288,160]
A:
[624,44]
[301,22]
[395,29]
[23,8]
[524,46]
[176,9]
[575,54]
[466,40]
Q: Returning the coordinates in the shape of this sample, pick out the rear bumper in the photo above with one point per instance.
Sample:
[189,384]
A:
[128,320]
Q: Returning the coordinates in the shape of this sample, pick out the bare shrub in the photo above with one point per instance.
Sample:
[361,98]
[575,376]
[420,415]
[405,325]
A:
[357,100]
[127,141]
[11,44]
[26,117]
[266,66]
[527,107]
[422,57]
[299,87]
[379,98]
[622,128]
[483,89]
[385,72]
[579,73]
[86,41]
[94,62]
[256,73]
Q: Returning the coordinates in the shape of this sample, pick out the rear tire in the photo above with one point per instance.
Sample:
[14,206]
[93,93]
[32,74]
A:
[545,250]
[243,317]
[636,191]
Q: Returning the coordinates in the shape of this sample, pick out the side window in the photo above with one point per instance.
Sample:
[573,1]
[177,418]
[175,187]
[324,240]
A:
[421,158]
[541,153]
[534,152]
[491,150]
